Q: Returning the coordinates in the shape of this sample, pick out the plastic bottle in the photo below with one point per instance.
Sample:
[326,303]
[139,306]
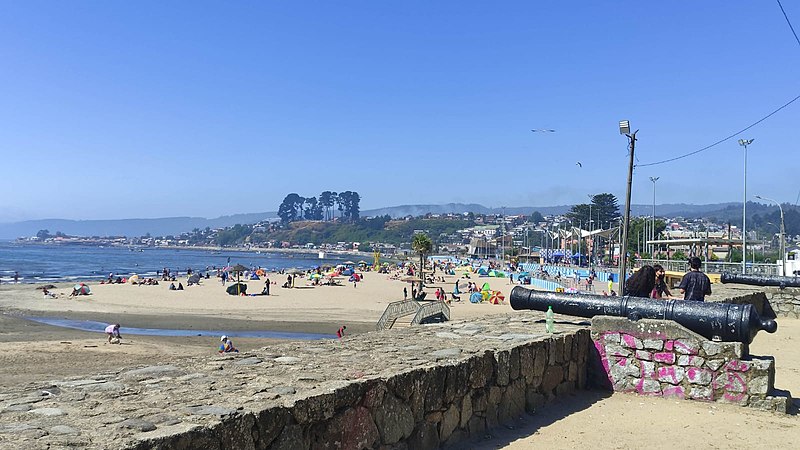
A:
[549,320]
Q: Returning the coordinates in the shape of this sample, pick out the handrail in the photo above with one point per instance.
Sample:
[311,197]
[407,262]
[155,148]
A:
[395,310]
[431,309]
[713,266]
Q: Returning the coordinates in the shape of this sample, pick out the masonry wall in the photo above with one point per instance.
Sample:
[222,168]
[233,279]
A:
[660,358]
[420,387]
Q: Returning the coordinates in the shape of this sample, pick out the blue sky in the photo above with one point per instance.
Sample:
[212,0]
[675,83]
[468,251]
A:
[152,109]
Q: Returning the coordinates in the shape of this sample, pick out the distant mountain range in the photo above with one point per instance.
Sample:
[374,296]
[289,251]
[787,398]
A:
[176,225]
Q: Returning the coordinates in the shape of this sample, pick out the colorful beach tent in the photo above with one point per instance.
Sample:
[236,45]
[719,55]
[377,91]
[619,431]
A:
[486,287]
[475,297]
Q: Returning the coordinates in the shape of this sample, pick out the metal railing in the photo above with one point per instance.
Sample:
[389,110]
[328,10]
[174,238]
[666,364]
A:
[713,266]
[396,310]
[431,309]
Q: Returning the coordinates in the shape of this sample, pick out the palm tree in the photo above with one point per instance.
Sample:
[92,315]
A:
[421,244]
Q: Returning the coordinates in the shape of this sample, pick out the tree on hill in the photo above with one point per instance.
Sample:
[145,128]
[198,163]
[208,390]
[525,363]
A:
[291,208]
[348,204]
[604,212]
[327,199]
[312,209]
[536,217]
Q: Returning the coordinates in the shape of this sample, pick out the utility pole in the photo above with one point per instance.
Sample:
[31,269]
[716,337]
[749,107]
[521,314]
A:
[625,128]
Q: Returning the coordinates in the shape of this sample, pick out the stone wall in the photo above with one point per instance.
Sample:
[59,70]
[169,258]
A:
[785,302]
[662,358]
[420,387]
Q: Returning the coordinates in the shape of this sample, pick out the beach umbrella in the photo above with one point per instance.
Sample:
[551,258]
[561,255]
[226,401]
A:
[475,297]
[496,298]
[133,279]
[362,262]
[239,268]
[296,272]
[236,289]
[349,262]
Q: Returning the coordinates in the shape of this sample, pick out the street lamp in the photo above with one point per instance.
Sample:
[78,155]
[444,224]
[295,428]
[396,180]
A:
[625,129]
[744,143]
[591,250]
[653,221]
[783,232]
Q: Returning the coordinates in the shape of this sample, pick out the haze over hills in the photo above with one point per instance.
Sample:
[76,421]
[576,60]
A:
[176,225]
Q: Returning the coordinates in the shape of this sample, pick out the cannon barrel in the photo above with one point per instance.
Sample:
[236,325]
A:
[782,282]
[723,321]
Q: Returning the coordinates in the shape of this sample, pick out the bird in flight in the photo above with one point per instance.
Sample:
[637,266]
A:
[579,164]
[543,131]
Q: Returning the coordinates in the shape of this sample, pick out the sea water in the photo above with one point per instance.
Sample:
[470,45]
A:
[42,263]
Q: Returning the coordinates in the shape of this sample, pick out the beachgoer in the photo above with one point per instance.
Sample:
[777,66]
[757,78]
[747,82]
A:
[172,286]
[226,345]
[695,285]
[180,287]
[113,333]
[16,277]
[405,293]
[641,283]
[266,286]
[340,332]
[660,290]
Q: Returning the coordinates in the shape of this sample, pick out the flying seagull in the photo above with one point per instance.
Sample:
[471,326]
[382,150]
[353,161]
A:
[579,164]
[543,131]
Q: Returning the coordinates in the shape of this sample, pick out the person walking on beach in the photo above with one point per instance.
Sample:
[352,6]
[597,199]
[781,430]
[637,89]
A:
[405,293]
[114,336]
[340,332]
[695,285]
[16,277]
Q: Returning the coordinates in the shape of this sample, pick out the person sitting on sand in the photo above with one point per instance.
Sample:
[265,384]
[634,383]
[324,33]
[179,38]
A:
[172,286]
[114,336]
[180,286]
[48,294]
[226,345]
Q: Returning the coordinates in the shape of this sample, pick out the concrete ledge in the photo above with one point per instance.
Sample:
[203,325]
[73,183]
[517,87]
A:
[420,387]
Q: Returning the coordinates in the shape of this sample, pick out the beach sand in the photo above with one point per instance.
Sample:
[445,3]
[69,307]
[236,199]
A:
[34,353]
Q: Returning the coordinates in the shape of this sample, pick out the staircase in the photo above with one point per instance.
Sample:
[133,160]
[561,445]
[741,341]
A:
[425,312]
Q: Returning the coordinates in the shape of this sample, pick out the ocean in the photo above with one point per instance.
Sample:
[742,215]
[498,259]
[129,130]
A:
[67,263]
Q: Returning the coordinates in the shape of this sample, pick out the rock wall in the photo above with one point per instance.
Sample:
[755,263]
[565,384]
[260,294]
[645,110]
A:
[662,358]
[785,302]
[420,387]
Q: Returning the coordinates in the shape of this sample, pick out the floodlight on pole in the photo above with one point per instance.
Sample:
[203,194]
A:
[744,143]
[783,233]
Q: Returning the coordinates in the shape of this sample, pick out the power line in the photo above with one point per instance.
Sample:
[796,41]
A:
[723,139]
[789,22]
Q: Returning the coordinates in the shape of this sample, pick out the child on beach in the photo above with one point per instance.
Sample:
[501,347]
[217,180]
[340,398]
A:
[114,336]
[226,345]
[340,332]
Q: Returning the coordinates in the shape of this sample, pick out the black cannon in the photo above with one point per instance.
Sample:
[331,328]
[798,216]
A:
[723,321]
[782,282]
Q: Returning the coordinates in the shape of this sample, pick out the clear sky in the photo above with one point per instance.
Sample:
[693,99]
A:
[153,109]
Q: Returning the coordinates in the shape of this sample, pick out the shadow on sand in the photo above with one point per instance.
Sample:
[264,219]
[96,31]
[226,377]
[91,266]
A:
[530,423]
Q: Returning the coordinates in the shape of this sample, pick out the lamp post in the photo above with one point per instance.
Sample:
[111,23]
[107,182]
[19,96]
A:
[625,129]
[744,143]
[653,220]
[783,232]
[591,228]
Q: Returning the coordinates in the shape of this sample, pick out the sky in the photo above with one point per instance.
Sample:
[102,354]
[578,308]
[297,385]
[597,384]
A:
[112,110]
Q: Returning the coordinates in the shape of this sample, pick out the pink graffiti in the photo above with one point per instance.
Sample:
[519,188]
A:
[669,345]
[674,391]
[630,341]
[739,366]
[734,385]
[667,372]
[668,358]
[686,349]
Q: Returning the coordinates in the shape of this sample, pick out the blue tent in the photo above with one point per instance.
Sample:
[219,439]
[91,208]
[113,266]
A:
[476,297]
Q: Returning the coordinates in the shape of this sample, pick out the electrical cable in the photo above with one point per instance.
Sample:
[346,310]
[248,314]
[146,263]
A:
[723,139]
[789,22]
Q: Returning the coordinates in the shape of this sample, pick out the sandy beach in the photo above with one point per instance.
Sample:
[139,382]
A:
[35,353]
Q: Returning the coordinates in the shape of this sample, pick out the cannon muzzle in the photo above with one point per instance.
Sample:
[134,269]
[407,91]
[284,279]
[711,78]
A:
[782,282]
[715,321]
